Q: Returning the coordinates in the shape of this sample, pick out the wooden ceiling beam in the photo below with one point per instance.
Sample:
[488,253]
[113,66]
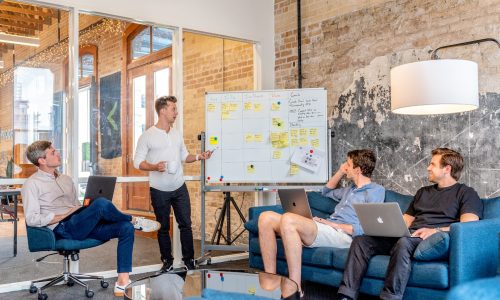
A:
[33,10]
[19,18]
[9,29]
[18,24]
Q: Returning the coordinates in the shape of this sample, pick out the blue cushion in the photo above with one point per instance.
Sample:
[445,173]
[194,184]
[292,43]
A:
[76,245]
[321,206]
[252,226]
[402,200]
[435,247]
[491,208]
[482,289]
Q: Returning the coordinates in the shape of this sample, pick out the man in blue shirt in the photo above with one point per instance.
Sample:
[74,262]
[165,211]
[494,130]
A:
[336,231]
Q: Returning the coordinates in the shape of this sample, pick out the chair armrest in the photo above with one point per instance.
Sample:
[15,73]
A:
[254,212]
[473,250]
[40,239]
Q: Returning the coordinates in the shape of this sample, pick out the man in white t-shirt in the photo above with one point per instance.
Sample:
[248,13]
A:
[161,151]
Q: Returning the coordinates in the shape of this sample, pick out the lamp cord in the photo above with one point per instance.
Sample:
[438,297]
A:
[434,52]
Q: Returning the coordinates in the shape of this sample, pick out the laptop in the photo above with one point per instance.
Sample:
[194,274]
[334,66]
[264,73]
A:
[295,201]
[381,219]
[97,187]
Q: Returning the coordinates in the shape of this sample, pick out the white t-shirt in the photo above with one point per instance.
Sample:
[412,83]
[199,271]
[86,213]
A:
[157,145]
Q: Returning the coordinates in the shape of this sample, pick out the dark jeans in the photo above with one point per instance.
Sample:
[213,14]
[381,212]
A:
[363,248]
[102,221]
[180,202]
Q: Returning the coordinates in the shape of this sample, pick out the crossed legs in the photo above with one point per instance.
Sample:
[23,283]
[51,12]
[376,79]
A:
[295,231]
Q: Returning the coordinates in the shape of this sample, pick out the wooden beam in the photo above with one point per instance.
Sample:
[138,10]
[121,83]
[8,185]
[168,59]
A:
[18,24]
[9,29]
[33,10]
[20,18]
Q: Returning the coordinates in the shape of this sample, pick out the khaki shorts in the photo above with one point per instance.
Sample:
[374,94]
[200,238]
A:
[330,237]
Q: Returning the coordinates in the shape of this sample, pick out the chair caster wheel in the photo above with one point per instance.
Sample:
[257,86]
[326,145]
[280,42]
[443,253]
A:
[33,289]
[70,283]
[104,284]
[89,293]
[209,261]
[42,296]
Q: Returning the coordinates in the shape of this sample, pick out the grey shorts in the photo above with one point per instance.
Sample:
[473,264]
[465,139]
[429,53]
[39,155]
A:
[330,237]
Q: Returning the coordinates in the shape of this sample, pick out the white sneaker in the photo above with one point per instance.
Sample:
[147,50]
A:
[146,225]
[119,290]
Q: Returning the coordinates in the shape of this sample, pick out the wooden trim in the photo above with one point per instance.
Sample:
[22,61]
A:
[151,58]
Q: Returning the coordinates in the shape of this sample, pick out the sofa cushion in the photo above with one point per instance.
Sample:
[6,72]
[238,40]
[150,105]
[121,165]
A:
[402,200]
[491,208]
[435,247]
[252,226]
[321,206]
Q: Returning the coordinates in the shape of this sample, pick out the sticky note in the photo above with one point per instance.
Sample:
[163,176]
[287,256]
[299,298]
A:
[225,115]
[303,141]
[313,132]
[251,169]
[249,138]
[275,144]
[225,107]
[257,107]
[275,106]
[294,133]
[233,106]
[284,136]
[315,143]
[276,154]
[294,142]
[275,136]
[211,107]
[303,132]
[294,169]
[278,123]
[214,140]
[259,138]
[248,106]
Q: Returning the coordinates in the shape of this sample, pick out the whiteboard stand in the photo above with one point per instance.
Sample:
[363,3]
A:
[206,249]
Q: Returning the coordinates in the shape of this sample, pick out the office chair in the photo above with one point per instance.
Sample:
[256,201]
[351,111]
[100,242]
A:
[43,239]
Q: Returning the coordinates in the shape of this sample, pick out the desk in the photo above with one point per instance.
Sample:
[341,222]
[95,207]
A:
[5,209]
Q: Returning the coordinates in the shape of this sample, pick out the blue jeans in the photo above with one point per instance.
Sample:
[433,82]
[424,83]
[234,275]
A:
[180,202]
[102,221]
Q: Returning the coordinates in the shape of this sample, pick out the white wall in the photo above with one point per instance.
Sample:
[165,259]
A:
[245,19]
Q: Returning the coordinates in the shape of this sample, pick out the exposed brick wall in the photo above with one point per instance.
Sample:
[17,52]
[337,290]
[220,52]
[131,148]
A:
[211,64]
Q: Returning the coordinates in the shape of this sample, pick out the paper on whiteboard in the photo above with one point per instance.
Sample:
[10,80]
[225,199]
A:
[308,158]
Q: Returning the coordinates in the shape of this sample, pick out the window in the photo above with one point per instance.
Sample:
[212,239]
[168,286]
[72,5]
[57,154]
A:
[148,41]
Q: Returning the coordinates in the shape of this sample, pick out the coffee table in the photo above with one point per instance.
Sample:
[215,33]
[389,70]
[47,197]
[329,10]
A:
[183,284]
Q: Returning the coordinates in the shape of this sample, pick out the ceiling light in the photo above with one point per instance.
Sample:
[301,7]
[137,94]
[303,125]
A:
[18,39]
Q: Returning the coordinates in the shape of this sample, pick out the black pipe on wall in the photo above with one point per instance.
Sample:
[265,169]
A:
[299,45]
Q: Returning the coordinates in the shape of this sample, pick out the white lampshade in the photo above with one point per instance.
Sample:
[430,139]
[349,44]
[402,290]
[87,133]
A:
[430,87]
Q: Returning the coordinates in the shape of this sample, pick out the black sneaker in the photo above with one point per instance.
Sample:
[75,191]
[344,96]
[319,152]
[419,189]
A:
[189,264]
[167,267]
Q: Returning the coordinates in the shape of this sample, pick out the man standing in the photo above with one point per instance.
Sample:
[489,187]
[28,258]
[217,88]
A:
[49,198]
[160,150]
[434,208]
[336,231]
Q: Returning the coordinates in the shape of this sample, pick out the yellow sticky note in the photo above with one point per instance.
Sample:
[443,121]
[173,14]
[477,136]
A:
[276,154]
[278,123]
[225,115]
[225,107]
[252,290]
[259,138]
[257,107]
[249,138]
[294,169]
[315,143]
[303,141]
[294,133]
[294,142]
[275,106]
[250,169]
[233,106]
[275,144]
[248,106]
[284,136]
[303,132]
[214,140]
[313,132]
[211,107]
[275,136]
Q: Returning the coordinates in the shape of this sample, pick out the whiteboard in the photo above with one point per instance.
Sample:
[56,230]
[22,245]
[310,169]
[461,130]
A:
[267,136]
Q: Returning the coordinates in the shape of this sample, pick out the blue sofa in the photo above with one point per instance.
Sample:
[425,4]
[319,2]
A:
[472,245]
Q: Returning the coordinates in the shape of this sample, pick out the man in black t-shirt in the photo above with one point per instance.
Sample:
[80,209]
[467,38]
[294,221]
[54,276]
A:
[434,208]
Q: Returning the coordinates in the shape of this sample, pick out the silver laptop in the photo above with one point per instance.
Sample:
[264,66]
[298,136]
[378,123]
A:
[295,201]
[381,219]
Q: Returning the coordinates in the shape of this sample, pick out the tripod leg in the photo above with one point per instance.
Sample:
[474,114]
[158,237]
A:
[242,217]
[218,227]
